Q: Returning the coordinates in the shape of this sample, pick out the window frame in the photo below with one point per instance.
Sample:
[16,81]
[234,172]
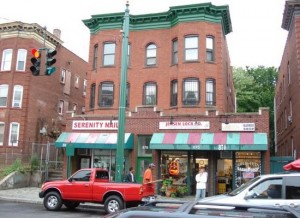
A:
[3,88]
[191,49]
[21,58]
[210,94]
[2,130]
[174,93]
[61,107]
[63,76]
[14,101]
[151,47]
[105,97]
[185,93]
[6,61]
[92,95]
[153,97]
[210,51]
[84,87]
[175,51]
[15,142]
[108,53]
[95,57]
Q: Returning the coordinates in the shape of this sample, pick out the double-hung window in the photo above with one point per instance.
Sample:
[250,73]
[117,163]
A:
[3,95]
[95,58]
[18,95]
[109,54]
[210,54]
[150,93]
[174,91]
[6,60]
[175,51]
[21,61]
[92,95]
[210,92]
[106,94]
[191,93]
[151,55]
[191,48]
[14,134]
[2,126]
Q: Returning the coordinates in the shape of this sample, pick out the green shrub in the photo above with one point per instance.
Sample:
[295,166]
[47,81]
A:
[16,166]
[34,163]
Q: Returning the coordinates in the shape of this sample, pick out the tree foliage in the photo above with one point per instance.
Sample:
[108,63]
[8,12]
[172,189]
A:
[255,88]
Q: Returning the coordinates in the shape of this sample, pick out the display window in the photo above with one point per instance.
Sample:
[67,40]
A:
[105,159]
[248,166]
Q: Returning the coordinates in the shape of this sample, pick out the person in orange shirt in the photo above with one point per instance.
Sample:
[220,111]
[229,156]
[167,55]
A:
[147,179]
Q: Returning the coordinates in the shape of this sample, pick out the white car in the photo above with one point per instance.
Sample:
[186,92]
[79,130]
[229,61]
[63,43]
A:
[269,190]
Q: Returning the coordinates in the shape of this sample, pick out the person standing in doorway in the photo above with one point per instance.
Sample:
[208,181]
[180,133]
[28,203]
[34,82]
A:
[201,180]
[147,179]
[130,176]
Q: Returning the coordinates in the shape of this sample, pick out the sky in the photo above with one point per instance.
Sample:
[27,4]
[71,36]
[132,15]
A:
[257,38]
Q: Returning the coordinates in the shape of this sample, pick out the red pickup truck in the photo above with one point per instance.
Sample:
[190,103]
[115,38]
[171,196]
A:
[93,185]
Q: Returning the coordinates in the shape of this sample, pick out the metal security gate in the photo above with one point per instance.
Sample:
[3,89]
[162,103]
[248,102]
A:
[50,157]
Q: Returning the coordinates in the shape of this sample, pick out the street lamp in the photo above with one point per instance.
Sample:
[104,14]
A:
[122,103]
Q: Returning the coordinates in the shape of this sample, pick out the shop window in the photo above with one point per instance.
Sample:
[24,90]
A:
[105,159]
[144,146]
[248,166]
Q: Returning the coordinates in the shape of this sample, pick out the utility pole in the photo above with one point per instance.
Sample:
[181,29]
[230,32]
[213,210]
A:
[122,102]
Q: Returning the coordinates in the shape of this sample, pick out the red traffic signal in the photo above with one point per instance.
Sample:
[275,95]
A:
[36,62]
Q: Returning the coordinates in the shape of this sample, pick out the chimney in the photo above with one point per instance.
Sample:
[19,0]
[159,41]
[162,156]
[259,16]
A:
[57,33]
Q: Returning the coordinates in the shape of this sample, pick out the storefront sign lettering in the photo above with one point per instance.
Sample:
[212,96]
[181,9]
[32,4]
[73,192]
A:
[94,125]
[238,127]
[184,125]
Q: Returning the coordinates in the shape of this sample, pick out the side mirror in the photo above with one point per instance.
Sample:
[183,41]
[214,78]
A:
[70,179]
[249,195]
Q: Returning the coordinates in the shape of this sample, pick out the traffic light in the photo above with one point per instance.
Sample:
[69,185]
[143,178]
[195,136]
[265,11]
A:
[50,61]
[36,62]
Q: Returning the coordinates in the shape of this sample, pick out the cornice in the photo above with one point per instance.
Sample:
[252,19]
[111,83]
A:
[25,30]
[197,12]
[290,8]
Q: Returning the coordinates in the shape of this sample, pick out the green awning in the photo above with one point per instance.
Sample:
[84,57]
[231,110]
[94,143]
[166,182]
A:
[93,140]
[210,141]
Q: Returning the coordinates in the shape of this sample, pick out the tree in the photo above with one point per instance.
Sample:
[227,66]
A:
[255,87]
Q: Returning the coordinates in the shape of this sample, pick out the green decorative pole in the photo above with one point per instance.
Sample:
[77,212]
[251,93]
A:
[122,102]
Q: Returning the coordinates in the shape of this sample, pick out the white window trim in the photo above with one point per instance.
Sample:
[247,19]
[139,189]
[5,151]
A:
[16,141]
[6,60]
[3,86]
[2,123]
[22,53]
[61,107]
[63,76]
[17,88]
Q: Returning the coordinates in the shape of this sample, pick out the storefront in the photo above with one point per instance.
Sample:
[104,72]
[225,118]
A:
[93,150]
[229,158]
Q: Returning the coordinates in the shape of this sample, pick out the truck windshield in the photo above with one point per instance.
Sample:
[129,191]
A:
[244,186]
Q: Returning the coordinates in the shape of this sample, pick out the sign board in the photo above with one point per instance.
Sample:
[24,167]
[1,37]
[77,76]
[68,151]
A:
[95,125]
[241,127]
[184,125]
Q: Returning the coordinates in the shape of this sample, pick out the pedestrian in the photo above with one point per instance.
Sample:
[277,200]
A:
[130,176]
[148,178]
[201,180]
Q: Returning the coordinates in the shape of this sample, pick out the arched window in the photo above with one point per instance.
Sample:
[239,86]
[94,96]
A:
[151,55]
[174,92]
[106,94]
[210,92]
[92,95]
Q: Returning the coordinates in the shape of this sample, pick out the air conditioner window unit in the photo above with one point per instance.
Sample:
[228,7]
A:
[290,119]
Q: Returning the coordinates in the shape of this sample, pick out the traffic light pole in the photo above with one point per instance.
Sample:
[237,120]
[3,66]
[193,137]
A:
[122,101]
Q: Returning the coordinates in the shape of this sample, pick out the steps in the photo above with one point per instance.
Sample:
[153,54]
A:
[55,175]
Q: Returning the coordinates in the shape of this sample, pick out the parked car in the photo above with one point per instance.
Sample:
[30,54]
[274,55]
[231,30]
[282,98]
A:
[93,185]
[272,189]
[198,209]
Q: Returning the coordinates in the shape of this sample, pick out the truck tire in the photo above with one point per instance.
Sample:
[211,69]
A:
[113,203]
[71,204]
[52,201]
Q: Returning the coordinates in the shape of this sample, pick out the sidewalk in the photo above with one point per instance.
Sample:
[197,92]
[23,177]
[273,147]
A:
[31,195]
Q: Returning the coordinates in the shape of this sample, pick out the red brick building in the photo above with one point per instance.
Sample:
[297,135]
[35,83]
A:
[287,88]
[180,100]
[32,108]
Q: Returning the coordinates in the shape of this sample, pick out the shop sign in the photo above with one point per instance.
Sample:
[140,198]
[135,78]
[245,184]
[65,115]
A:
[238,127]
[94,125]
[184,125]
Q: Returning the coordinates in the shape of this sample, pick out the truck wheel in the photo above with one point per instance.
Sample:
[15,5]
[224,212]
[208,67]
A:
[71,204]
[113,203]
[52,201]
